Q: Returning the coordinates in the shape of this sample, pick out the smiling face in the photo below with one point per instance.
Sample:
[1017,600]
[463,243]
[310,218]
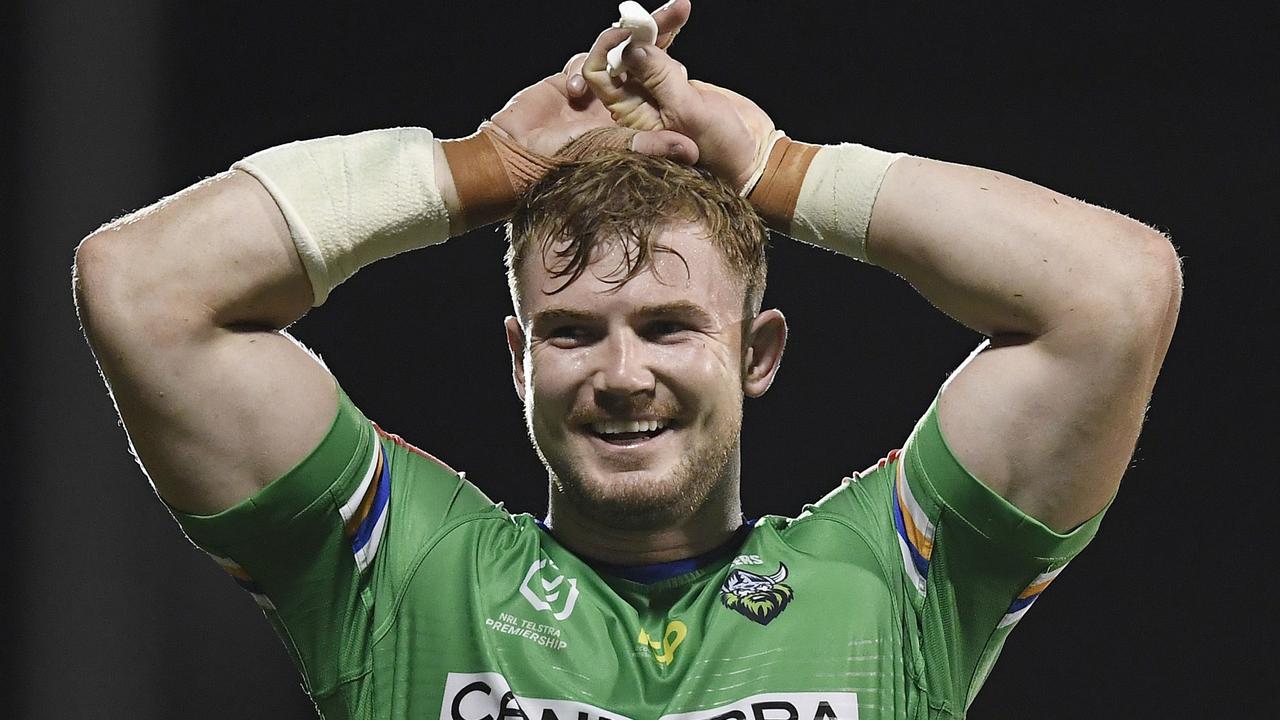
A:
[633,392]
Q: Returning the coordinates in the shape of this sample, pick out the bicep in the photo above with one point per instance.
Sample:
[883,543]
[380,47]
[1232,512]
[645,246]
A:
[214,422]
[180,303]
[1051,430]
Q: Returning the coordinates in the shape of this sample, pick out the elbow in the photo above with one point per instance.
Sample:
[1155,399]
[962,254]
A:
[1156,288]
[109,288]
[1143,308]
[1131,301]
[91,279]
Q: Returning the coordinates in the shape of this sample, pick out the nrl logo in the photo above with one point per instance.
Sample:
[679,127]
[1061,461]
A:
[759,598]
[544,594]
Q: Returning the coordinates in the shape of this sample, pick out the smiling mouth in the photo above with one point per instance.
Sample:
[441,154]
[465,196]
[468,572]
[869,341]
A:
[628,433]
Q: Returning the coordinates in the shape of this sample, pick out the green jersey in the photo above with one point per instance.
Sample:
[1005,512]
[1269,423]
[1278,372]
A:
[401,591]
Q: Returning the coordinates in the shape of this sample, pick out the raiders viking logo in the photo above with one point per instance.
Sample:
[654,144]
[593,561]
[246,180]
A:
[760,598]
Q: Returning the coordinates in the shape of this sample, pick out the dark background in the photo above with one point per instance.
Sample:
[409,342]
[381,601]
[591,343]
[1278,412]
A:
[1160,113]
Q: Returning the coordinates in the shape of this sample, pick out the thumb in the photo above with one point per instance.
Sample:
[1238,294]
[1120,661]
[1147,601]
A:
[666,79]
[666,143]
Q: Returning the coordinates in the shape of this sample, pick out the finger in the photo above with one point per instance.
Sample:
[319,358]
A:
[574,64]
[575,84]
[576,88]
[597,57]
[665,40]
[666,143]
[596,141]
[595,69]
[670,18]
[636,111]
[665,79]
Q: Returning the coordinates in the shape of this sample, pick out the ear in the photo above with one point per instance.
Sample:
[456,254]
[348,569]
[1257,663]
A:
[765,340]
[515,343]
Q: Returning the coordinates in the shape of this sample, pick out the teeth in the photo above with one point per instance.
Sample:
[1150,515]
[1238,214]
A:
[612,427]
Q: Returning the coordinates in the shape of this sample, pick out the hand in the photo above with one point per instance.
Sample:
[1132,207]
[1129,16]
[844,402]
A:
[731,131]
[547,115]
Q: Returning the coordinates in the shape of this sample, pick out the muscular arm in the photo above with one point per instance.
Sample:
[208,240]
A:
[1079,302]
[184,304]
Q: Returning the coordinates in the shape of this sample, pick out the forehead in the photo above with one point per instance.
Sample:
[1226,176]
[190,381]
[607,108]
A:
[694,271]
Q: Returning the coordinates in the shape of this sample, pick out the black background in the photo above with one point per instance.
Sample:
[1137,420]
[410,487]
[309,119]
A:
[1158,112]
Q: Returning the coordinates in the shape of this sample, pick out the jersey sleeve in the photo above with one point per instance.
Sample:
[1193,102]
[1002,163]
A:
[974,563]
[967,564]
[320,547]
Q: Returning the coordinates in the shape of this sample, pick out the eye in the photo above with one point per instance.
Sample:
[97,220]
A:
[569,335]
[659,329]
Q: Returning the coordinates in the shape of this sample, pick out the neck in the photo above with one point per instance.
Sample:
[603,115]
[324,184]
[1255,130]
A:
[591,535]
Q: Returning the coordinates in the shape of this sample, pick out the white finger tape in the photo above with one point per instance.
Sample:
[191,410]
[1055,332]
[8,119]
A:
[635,18]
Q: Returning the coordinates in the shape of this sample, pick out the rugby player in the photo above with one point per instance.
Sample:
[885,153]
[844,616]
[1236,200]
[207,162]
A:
[637,269]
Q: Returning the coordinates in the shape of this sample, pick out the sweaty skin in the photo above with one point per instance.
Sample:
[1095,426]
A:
[1078,302]
[184,304]
[670,346]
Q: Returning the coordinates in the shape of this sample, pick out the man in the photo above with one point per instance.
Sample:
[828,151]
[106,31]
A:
[402,591]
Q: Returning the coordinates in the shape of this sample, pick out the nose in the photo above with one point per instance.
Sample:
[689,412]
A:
[624,368]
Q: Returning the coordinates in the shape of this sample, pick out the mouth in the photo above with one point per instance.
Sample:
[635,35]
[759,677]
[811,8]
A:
[628,433]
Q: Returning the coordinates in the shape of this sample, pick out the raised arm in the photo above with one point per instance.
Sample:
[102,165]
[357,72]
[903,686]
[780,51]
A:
[1078,302]
[184,302]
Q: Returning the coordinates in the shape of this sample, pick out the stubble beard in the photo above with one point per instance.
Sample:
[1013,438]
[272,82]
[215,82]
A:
[650,502]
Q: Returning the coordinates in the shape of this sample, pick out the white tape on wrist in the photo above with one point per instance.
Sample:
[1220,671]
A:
[350,200]
[644,30]
[833,209]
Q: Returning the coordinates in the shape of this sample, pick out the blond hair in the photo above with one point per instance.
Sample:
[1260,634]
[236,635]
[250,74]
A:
[577,209]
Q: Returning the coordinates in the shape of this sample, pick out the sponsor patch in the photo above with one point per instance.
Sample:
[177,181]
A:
[481,696]
[782,706]
[477,696]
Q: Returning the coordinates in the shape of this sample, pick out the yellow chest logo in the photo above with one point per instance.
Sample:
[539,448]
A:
[664,648]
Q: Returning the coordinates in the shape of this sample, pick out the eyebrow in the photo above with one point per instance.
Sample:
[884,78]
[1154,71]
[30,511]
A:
[679,308]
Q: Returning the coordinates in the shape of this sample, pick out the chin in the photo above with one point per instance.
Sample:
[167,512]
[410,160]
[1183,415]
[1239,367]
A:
[662,489]
[635,499]
[644,498]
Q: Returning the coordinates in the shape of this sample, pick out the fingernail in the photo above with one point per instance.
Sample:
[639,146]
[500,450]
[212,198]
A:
[636,53]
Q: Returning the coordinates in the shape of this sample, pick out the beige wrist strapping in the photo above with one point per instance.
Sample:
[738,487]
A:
[490,170]
[822,194]
[351,200]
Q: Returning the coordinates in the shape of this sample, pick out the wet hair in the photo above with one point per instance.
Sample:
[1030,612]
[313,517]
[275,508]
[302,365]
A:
[578,210]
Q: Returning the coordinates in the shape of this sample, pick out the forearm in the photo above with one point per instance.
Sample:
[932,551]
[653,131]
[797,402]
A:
[1079,302]
[351,200]
[216,255]
[1006,257]
[998,254]
[182,304]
